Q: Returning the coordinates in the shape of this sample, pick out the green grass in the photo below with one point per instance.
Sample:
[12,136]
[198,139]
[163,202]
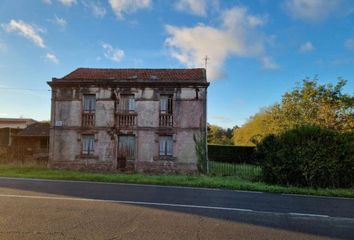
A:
[227,182]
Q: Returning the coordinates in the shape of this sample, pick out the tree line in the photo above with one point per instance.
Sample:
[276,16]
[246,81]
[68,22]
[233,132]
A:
[309,102]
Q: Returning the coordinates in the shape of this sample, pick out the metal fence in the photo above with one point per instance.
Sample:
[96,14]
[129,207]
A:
[241,170]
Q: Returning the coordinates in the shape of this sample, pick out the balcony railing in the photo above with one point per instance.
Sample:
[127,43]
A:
[126,120]
[88,120]
[166,120]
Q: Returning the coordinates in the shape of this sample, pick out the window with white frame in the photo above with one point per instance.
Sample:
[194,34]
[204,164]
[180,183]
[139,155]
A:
[89,103]
[88,142]
[127,103]
[166,146]
[166,104]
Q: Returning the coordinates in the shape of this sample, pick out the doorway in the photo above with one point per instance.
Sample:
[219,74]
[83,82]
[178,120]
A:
[126,150]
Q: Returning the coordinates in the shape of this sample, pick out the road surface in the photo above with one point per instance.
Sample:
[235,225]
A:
[49,209]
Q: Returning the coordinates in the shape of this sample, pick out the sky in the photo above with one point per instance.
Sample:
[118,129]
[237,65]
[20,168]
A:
[256,50]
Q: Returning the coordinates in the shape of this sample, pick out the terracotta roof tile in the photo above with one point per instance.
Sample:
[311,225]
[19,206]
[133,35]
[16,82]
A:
[178,75]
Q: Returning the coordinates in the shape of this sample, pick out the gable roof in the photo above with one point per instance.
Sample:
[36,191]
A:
[40,129]
[135,74]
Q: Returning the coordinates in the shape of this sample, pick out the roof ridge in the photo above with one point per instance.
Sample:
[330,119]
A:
[93,68]
[143,74]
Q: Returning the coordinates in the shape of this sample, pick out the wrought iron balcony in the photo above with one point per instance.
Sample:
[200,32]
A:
[126,120]
[166,120]
[88,120]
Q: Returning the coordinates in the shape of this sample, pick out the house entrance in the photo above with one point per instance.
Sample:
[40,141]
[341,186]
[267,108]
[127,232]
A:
[126,150]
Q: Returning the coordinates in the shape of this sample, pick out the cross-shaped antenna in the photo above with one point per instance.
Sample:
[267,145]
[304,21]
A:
[206,58]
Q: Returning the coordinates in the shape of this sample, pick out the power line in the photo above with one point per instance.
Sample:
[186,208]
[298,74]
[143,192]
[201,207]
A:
[28,89]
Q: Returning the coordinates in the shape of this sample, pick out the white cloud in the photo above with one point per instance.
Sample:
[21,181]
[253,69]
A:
[238,17]
[196,7]
[311,10]
[96,8]
[114,54]
[47,2]
[306,47]
[237,35]
[61,22]
[121,7]
[349,44]
[52,58]
[68,3]
[26,30]
[268,63]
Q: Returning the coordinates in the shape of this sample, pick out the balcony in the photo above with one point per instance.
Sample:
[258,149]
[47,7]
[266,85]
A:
[126,120]
[88,120]
[166,120]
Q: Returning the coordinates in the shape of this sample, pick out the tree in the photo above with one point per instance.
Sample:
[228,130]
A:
[310,103]
[219,135]
[257,127]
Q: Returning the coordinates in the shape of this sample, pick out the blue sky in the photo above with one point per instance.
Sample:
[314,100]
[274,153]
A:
[257,49]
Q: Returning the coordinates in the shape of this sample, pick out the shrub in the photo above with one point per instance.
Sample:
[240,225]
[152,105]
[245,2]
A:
[308,155]
[231,154]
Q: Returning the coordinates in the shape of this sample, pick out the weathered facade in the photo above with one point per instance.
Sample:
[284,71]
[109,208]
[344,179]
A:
[135,119]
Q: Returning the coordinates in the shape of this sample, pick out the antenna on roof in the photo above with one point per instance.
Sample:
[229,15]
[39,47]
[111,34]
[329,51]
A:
[206,59]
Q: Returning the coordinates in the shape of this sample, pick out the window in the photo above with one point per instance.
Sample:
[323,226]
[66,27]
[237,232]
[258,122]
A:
[126,146]
[88,144]
[166,146]
[166,104]
[89,103]
[127,103]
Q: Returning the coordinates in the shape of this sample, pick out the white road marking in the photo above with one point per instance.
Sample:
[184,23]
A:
[126,202]
[127,184]
[314,196]
[308,215]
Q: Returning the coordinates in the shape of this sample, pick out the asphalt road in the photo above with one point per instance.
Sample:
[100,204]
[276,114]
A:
[69,208]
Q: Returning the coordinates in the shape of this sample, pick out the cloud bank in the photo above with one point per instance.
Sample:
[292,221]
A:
[237,35]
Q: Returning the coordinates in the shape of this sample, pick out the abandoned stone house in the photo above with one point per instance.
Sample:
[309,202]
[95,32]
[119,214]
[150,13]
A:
[135,119]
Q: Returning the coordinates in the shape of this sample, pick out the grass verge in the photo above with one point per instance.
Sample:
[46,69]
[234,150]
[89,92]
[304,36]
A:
[226,182]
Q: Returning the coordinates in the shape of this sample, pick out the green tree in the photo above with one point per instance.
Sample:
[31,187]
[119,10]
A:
[257,127]
[219,135]
[312,103]
[309,103]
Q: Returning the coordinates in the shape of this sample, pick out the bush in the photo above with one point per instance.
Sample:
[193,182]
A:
[231,154]
[308,156]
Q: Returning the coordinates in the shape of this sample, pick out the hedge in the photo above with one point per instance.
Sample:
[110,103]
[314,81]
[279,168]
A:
[308,156]
[231,154]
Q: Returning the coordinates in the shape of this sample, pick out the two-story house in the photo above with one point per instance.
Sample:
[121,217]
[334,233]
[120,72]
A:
[137,119]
